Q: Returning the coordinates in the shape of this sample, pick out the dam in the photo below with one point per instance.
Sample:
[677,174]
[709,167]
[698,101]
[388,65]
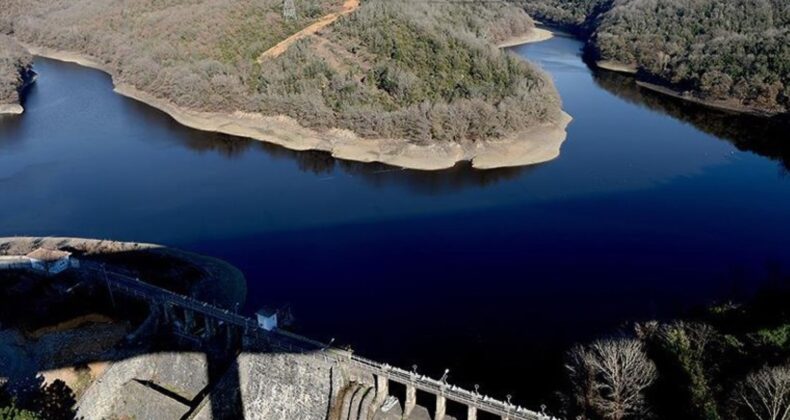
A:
[181,357]
[199,321]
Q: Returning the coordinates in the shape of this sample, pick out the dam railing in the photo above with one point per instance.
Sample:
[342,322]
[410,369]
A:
[424,383]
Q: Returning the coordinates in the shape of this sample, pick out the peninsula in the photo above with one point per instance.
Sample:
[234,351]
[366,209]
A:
[419,85]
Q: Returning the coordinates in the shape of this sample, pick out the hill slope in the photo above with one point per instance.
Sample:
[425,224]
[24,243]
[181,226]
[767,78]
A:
[417,80]
[734,54]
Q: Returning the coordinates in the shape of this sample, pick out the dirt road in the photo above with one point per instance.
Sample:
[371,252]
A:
[348,7]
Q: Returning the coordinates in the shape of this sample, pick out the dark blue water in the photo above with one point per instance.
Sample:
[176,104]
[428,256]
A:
[653,207]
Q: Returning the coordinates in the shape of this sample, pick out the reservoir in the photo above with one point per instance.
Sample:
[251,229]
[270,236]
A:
[653,207]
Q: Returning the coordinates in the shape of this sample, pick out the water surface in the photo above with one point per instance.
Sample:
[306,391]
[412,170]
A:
[654,206]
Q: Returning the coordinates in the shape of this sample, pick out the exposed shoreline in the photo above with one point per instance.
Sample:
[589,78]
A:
[535,35]
[11,109]
[535,145]
[616,67]
[723,105]
[720,105]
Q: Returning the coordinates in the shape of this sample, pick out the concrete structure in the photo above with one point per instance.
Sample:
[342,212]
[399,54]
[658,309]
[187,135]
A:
[183,314]
[43,260]
[267,318]
[133,388]
[15,263]
[50,261]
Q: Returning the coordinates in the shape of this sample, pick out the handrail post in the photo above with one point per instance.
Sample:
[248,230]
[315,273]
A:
[441,405]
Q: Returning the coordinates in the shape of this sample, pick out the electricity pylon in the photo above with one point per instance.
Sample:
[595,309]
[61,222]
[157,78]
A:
[289,9]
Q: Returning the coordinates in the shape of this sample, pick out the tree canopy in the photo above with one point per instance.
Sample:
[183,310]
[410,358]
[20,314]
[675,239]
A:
[734,52]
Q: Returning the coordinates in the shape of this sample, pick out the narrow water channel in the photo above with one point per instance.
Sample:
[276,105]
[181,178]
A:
[653,207]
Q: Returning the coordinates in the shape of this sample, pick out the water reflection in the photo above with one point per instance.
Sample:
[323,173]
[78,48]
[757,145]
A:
[764,136]
[322,163]
[10,126]
[457,178]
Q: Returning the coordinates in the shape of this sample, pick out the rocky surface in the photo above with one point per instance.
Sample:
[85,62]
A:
[65,355]
[164,381]
[278,386]
[389,410]
[138,401]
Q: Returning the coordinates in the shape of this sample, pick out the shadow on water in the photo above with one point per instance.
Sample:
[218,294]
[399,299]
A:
[764,136]
[64,80]
[315,162]
[53,309]
[11,125]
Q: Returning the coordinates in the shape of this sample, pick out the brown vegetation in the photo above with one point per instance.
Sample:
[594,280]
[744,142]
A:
[610,377]
[766,393]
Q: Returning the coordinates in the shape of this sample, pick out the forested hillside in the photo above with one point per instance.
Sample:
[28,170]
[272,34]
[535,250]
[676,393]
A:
[421,71]
[576,14]
[732,53]
[15,70]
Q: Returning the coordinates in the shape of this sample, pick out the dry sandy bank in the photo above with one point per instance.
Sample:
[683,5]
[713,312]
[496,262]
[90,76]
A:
[539,144]
[724,105]
[535,145]
[535,35]
[615,66]
[13,109]
[349,6]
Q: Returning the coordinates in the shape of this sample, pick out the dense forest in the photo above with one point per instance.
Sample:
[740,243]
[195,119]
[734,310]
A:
[423,71]
[730,361]
[731,53]
[15,70]
[577,15]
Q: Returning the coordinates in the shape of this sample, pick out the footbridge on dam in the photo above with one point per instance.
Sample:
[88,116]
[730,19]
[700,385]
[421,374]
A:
[195,319]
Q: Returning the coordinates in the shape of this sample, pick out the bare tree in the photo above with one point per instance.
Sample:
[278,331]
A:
[610,377]
[766,393]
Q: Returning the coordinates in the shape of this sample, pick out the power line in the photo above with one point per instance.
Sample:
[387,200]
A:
[289,10]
